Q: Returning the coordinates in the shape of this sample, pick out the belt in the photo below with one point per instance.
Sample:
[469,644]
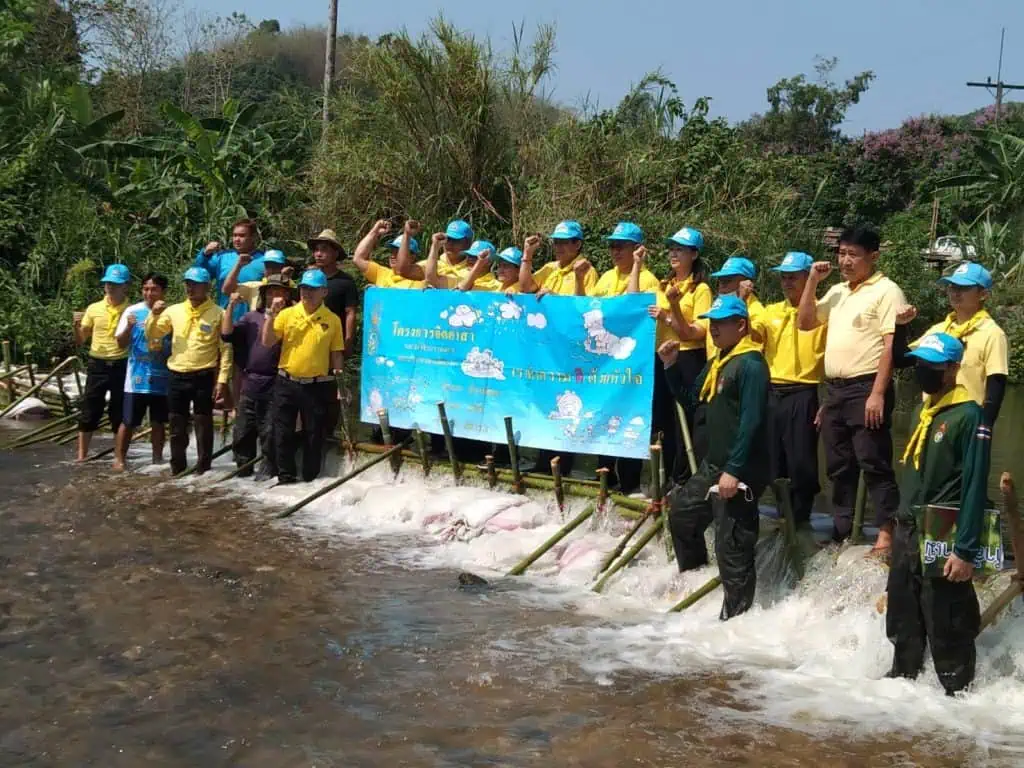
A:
[851,380]
[304,380]
[788,389]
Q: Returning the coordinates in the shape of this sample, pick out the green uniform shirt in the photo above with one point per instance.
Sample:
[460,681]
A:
[737,417]
[954,472]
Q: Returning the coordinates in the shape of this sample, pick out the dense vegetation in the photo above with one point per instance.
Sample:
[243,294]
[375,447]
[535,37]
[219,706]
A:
[115,146]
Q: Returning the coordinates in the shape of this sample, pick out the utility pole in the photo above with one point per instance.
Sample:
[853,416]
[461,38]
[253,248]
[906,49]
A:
[332,43]
[1000,86]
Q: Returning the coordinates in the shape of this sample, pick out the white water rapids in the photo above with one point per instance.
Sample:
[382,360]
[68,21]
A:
[811,658]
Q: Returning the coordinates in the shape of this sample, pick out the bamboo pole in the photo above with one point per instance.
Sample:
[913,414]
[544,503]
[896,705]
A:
[602,493]
[556,477]
[385,429]
[632,553]
[857,534]
[684,427]
[72,434]
[347,440]
[621,546]
[513,455]
[344,479]
[1011,514]
[108,451]
[78,378]
[421,446]
[65,401]
[7,371]
[239,470]
[27,438]
[31,372]
[9,375]
[785,504]
[215,455]
[449,442]
[709,586]
[36,387]
[562,532]
[492,475]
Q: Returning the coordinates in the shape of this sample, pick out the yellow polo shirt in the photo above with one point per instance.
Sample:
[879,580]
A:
[986,354]
[307,340]
[614,283]
[858,322]
[793,356]
[385,277]
[446,269]
[755,316]
[562,280]
[694,301]
[195,338]
[102,317]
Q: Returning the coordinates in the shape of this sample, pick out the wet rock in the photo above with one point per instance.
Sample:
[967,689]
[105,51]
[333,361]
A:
[467,579]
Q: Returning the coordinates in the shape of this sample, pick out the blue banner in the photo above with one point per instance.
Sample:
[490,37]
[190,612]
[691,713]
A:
[576,374]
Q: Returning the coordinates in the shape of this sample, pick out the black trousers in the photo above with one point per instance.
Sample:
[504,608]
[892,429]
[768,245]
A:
[311,402]
[102,377]
[193,391]
[850,446]
[737,525]
[254,426]
[925,611]
[792,408]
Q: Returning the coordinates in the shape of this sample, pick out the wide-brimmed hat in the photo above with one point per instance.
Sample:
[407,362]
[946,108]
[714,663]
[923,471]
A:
[327,236]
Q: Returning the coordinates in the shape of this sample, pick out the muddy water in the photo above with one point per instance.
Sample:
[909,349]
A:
[146,624]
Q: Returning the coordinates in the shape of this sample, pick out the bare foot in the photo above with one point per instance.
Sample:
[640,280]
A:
[118,466]
[80,459]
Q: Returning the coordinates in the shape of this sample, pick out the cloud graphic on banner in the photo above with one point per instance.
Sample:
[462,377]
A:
[510,311]
[483,365]
[537,320]
[637,421]
[463,317]
[601,341]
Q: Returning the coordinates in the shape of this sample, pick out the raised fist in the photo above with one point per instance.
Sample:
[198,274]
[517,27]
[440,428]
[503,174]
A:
[530,246]
[438,238]
[639,255]
[413,227]
[131,319]
[581,267]
[244,258]
[673,294]
[746,289]
[159,307]
[287,272]
[669,352]
[76,318]
[235,300]
[381,227]
[211,247]
[276,305]
[820,270]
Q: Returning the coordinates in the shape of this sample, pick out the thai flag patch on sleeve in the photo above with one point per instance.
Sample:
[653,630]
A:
[984,432]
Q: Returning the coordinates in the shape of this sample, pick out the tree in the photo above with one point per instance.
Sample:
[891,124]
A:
[804,117]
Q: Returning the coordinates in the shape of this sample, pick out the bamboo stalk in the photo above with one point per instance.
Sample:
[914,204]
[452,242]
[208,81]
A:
[72,434]
[344,479]
[780,488]
[632,553]
[492,475]
[7,370]
[513,455]
[31,372]
[347,440]
[602,494]
[27,438]
[108,451]
[9,375]
[421,445]
[562,532]
[239,470]
[1011,514]
[385,429]
[556,477]
[684,427]
[65,401]
[709,586]
[449,442]
[857,534]
[36,387]
[215,455]
[621,546]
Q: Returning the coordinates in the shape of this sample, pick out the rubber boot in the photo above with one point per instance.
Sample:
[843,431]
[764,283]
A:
[179,442]
[204,443]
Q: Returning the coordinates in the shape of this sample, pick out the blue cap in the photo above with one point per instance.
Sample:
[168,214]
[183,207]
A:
[512,256]
[969,275]
[737,266]
[687,238]
[313,278]
[938,348]
[628,231]
[414,247]
[478,247]
[116,273]
[795,261]
[458,230]
[726,307]
[567,230]
[274,256]
[196,275]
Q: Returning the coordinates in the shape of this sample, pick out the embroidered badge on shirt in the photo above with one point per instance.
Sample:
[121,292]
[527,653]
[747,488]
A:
[205,327]
[940,433]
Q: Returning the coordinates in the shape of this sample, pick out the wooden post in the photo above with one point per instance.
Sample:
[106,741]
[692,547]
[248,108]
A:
[65,401]
[492,475]
[31,372]
[7,369]
[602,494]
[784,501]
[513,455]
[385,430]
[556,474]
[421,446]
[449,442]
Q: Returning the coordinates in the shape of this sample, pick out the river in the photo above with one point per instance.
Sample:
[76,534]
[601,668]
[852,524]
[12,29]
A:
[177,623]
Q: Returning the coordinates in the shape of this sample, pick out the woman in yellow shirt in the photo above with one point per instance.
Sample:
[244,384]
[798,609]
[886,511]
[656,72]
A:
[690,292]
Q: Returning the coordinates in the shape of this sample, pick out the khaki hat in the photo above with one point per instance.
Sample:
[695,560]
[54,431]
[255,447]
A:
[279,280]
[327,236]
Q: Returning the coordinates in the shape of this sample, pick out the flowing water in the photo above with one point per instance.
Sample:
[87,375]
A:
[153,622]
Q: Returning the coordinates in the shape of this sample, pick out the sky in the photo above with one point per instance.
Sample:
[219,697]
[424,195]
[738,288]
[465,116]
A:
[921,51]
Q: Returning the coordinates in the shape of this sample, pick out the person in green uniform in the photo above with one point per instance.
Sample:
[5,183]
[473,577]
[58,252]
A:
[736,467]
[947,464]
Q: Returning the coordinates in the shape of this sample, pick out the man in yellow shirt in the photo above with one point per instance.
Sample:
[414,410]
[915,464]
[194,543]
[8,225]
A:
[628,275]
[389,276]
[796,360]
[200,366]
[312,354]
[985,363]
[274,263]
[505,278]
[856,419]
[558,276]
[451,266]
[108,361]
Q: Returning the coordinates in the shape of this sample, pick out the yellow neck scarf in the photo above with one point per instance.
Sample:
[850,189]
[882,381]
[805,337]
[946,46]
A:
[114,314]
[915,446]
[195,314]
[710,388]
[959,330]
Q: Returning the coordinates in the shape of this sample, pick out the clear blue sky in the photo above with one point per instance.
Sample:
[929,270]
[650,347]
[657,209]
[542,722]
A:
[922,51]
